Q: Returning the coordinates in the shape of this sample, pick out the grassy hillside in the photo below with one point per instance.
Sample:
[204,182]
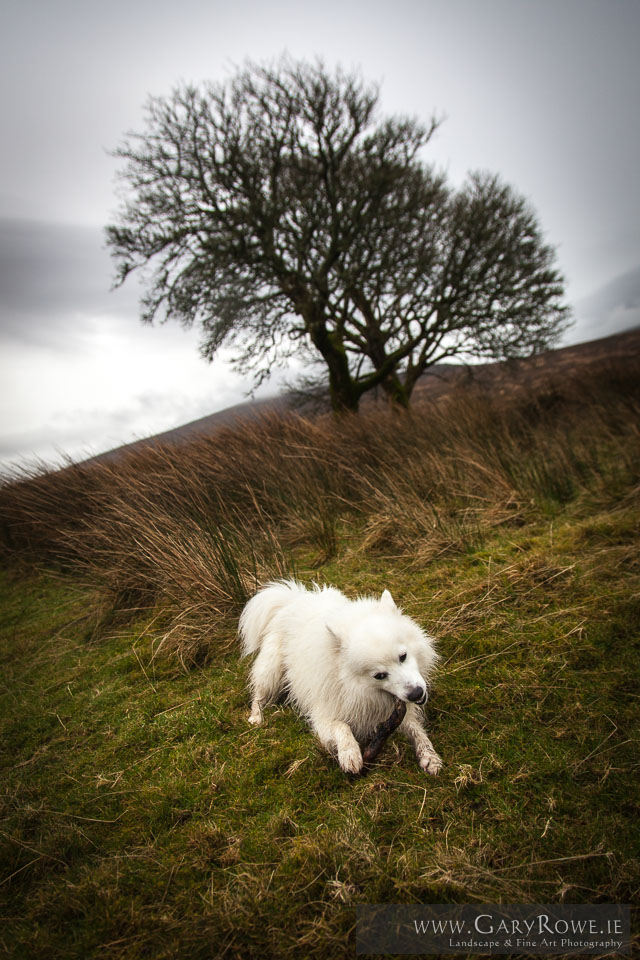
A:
[143,817]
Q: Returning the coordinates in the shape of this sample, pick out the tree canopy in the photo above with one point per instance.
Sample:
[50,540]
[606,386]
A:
[280,212]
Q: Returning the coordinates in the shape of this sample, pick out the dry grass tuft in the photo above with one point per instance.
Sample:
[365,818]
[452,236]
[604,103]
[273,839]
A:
[192,529]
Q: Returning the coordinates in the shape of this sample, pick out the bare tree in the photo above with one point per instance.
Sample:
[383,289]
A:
[280,213]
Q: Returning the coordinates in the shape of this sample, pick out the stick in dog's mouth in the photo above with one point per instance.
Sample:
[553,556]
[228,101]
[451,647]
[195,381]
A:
[382,733]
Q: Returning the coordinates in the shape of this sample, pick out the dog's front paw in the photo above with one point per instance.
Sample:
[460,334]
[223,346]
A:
[430,763]
[350,760]
[255,716]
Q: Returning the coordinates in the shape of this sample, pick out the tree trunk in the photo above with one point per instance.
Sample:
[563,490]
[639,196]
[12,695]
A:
[343,390]
[396,391]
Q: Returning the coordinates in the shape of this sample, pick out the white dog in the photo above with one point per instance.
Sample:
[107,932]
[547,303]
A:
[341,662]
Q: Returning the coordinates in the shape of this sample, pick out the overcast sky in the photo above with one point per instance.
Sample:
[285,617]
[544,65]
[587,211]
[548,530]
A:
[544,92]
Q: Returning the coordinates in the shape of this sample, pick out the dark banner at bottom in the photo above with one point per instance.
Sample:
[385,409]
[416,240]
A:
[493,928]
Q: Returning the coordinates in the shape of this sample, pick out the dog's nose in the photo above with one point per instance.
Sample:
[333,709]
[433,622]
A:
[417,695]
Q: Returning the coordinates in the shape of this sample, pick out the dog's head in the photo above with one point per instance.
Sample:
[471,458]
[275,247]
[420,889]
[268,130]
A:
[385,650]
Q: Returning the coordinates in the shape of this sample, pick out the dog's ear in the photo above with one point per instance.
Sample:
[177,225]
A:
[337,642]
[387,601]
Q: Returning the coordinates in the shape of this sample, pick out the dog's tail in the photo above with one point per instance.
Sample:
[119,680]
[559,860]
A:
[260,611]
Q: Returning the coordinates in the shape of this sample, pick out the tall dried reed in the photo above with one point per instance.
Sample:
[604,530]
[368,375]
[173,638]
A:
[194,527]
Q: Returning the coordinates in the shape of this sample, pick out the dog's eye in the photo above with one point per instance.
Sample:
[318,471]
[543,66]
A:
[402,657]
[380,676]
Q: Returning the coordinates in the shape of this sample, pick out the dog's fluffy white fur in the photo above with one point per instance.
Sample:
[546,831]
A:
[341,662]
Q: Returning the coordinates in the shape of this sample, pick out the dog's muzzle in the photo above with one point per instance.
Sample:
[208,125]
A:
[417,695]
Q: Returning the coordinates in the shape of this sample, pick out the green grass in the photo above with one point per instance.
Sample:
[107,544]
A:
[143,817]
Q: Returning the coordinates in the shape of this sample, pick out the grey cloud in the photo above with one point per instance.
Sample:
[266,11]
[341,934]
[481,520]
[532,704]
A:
[55,290]
[611,309]
[53,279]
[65,432]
